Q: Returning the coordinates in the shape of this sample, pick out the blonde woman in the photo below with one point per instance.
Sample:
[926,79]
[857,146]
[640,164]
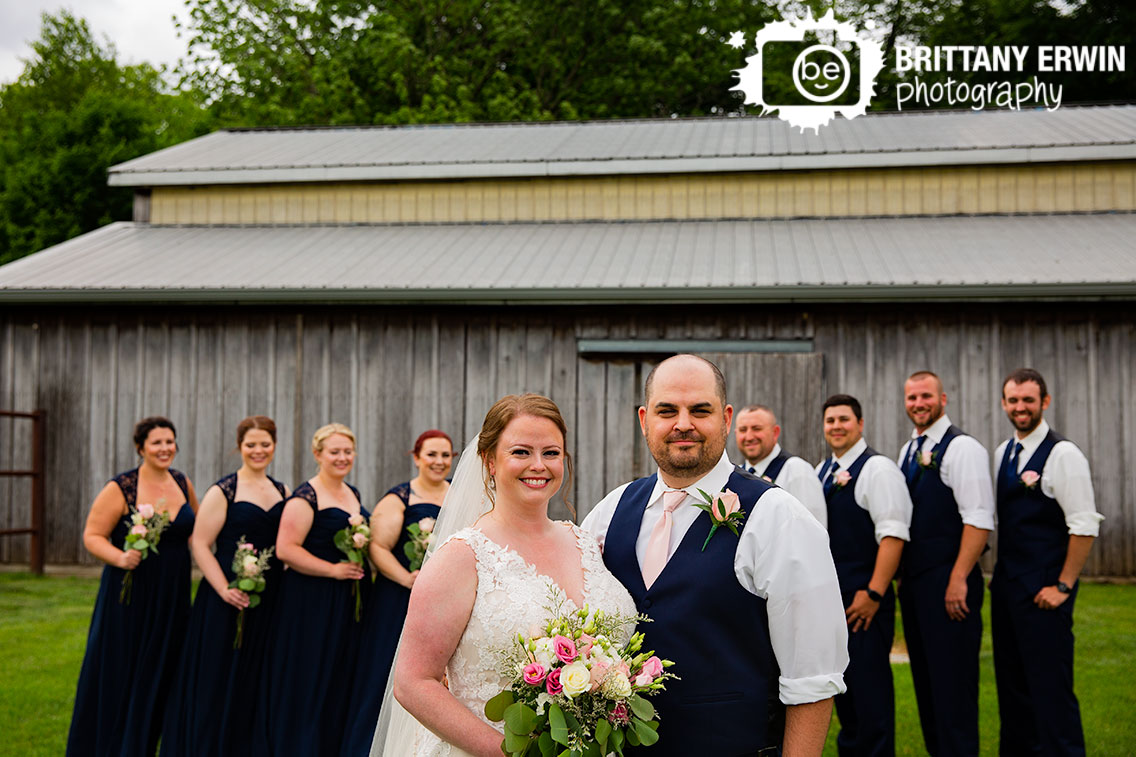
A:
[312,661]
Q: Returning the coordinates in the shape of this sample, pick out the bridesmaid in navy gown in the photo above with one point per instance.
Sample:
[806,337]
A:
[315,635]
[133,648]
[416,501]
[212,704]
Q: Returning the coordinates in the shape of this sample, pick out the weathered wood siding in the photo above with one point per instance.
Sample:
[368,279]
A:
[390,373]
[935,190]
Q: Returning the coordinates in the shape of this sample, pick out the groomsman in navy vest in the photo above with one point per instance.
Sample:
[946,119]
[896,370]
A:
[752,622]
[758,436]
[1047,520]
[869,516]
[940,593]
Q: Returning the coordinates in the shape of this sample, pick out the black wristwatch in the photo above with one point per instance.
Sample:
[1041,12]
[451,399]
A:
[875,596]
[1063,588]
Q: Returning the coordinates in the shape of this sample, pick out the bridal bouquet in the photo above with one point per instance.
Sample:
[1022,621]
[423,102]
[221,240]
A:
[576,690]
[146,527]
[421,535]
[248,576]
[352,541]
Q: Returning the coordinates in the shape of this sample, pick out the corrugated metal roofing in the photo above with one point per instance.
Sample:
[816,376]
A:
[887,259]
[636,147]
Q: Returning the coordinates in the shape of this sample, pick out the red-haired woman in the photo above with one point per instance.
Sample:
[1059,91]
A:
[417,501]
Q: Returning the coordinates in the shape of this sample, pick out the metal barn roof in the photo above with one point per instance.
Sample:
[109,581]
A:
[636,147]
[881,259]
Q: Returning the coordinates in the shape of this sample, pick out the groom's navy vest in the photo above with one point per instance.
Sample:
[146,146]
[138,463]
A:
[851,532]
[716,632]
[1032,535]
[936,526]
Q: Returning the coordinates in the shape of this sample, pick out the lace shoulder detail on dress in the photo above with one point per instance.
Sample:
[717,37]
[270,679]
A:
[228,487]
[181,481]
[128,482]
[279,486]
[402,491]
[305,492]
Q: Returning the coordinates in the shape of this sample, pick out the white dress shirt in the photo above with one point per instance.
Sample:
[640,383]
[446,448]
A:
[782,557]
[963,469]
[881,489]
[798,478]
[1065,478]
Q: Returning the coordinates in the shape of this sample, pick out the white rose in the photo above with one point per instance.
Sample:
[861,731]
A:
[250,560]
[615,686]
[575,678]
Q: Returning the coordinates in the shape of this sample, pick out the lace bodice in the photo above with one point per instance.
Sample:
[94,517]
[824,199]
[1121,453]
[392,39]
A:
[513,596]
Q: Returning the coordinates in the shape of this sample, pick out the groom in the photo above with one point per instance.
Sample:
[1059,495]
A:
[752,623]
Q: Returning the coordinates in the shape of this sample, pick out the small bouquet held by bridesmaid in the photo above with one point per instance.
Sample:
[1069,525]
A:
[577,690]
[249,567]
[146,527]
[352,541]
[421,535]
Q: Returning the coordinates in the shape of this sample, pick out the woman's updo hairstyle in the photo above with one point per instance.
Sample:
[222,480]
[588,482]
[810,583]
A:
[502,414]
[431,434]
[143,428]
[325,432]
[258,422]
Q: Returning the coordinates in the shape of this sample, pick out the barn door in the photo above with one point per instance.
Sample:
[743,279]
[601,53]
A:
[609,447]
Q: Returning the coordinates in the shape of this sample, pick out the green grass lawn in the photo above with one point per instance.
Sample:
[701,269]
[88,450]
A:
[43,630]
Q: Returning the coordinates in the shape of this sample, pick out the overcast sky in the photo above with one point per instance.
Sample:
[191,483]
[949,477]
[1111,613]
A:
[142,30]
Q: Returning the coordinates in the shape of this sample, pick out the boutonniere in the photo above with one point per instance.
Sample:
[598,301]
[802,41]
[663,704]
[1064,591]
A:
[1030,478]
[841,479]
[766,479]
[926,458]
[725,510]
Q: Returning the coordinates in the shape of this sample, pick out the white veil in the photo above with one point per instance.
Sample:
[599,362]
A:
[465,502]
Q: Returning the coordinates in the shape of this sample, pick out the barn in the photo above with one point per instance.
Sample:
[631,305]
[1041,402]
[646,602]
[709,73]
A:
[402,278]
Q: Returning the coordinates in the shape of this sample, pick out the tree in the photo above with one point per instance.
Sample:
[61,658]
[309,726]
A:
[72,114]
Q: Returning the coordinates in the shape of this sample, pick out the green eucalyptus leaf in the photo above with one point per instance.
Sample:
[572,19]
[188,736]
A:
[641,707]
[140,544]
[495,707]
[246,584]
[254,600]
[515,743]
[546,744]
[520,718]
[603,731]
[647,735]
[557,724]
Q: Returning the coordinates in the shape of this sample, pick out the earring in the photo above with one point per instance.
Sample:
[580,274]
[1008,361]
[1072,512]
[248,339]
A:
[492,482]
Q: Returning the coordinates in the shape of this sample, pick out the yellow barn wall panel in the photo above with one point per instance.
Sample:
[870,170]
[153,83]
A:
[786,194]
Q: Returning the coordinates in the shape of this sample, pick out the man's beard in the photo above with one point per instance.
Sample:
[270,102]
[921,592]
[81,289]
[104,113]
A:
[934,414]
[689,465]
[1032,421]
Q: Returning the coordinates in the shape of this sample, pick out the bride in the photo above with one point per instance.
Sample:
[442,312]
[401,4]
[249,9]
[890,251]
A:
[490,579]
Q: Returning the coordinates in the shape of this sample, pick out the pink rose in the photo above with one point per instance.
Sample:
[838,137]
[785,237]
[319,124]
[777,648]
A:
[533,673]
[643,679]
[725,505]
[564,648]
[586,643]
[653,666]
[252,569]
[1030,479]
[552,683]
[138,530]
[624,669]
[356,520]
[426,525]
[926,457]
[359,540]
[599,672]
[247,546]
[842,478]
[619,714]
[146,511]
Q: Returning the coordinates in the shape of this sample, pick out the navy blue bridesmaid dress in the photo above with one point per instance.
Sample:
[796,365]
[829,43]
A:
[315,642]
[211,708]
[133,649]
[382,627]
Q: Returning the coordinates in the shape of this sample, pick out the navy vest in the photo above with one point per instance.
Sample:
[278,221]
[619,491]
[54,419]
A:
[851,532]
[1032,535]
[773,470]
[936,526]
[707,623]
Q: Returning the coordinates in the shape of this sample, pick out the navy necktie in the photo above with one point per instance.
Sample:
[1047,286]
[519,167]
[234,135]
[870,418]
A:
[828,479]
[912,467]
[752,470]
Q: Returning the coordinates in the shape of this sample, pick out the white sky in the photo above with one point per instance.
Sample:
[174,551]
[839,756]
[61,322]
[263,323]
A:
[141,30]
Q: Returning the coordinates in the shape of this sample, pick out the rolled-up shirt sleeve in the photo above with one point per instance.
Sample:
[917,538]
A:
[966,470]
[881,489]
[783,557]
[1067,479]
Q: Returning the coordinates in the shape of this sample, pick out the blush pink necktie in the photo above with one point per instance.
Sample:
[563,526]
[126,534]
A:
[655,557]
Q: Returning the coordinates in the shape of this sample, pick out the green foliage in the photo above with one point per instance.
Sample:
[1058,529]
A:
[72,114]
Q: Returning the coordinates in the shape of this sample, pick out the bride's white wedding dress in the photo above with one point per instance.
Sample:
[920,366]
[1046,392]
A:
[512,597]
